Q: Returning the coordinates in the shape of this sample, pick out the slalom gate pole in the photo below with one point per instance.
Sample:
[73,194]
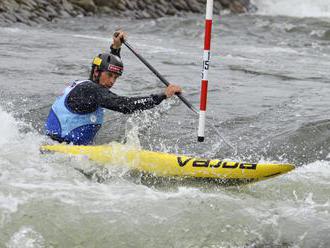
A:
[206,64]
[164,81]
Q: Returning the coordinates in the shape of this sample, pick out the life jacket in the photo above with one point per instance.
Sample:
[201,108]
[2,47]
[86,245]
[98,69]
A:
[65,126]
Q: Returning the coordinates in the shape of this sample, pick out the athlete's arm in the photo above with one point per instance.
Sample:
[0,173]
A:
[127,105]
[88,96]
[117,42]
[115,51]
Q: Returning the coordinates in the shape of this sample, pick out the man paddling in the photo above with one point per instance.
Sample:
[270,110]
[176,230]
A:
[77,115]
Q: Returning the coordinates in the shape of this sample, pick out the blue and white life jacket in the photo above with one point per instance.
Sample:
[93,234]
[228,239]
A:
[64,125]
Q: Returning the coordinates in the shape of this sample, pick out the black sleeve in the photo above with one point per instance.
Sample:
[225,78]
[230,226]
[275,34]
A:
[128,105]
[88,96]
[115,51]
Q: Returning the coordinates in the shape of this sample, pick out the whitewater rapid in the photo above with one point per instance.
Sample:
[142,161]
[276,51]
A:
[268,94]
[295,8]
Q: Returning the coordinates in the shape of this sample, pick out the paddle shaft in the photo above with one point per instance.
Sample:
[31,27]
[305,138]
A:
[161,78]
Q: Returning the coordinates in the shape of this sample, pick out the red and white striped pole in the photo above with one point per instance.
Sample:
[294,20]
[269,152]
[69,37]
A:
[206,63]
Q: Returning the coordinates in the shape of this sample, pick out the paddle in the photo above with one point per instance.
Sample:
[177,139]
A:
[161,78]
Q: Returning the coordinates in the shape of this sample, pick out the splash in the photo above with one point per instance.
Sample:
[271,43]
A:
[26,237]
[18,140]
[295,8]
[8,128]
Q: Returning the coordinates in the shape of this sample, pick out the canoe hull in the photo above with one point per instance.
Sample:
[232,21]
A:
[171,165]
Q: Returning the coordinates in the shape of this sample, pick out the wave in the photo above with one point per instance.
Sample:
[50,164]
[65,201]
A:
[8,128]
[18,140]
[307,144]
[295,8]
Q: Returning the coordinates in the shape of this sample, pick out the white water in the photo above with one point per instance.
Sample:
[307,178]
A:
[8,127]
[259,213]
[296,8]
[45,202]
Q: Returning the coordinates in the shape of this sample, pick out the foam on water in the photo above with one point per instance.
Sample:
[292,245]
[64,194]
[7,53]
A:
[18,154]
[8,128]
[26,237]
[297,8]
[17,146]
[44,199]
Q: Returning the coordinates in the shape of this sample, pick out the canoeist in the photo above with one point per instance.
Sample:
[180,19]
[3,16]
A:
[77,115]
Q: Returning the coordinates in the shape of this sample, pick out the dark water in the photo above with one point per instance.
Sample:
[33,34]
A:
[268,96]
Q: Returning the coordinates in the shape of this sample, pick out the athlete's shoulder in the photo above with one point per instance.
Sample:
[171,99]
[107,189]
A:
[85,87]
[83,84]
[78,82]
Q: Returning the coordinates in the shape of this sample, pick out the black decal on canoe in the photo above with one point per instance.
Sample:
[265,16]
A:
[201,163]
[234,166]
[183,163]
[217,165]
[248,166]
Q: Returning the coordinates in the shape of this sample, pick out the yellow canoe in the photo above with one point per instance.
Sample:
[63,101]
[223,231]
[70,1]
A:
[171,165]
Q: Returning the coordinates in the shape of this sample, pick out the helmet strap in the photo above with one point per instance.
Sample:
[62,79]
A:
[95,79]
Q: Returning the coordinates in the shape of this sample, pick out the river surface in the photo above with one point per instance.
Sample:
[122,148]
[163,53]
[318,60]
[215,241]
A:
[268,97]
